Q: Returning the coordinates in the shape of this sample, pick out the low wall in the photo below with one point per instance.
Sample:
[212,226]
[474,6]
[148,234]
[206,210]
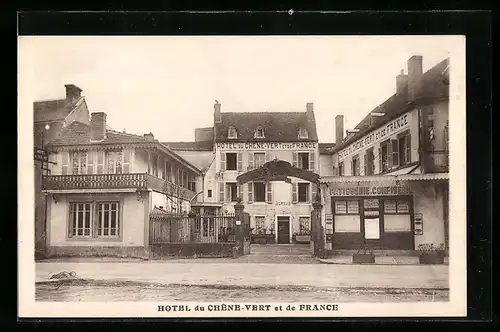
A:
[97,251]
[159,251]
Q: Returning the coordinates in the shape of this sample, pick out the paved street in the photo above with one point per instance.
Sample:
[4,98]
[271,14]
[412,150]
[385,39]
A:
[211,272]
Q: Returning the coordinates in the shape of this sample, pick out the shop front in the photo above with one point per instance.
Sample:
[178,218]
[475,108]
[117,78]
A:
[384,213]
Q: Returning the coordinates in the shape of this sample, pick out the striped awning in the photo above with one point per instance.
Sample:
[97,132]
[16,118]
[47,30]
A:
[402,177]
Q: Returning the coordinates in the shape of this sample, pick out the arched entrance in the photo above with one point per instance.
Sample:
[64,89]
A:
[279,170]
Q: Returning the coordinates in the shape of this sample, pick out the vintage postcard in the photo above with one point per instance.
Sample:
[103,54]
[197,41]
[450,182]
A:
[270,176]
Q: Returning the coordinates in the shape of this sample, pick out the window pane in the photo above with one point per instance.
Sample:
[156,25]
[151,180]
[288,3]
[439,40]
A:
[371,203]
[390,206]
[352,206]
[119,164]
[340,207]
[403,206]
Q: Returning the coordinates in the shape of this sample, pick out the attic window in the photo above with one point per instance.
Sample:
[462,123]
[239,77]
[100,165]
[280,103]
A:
[259,132]
[303,133]
[232,133]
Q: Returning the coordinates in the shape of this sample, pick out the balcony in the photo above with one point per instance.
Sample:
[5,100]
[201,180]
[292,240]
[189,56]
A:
[139,181]
[437,161]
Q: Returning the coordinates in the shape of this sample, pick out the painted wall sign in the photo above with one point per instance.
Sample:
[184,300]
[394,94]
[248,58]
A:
[392,127]
[266,146]
[280,203]
[371,191]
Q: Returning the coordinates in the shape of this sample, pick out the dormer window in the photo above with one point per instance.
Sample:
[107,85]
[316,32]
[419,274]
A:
[232,133]
[259,132]
[303,133]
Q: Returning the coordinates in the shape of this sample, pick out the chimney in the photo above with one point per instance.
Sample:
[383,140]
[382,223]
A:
[72,92]
[97,126]
[309,107]
[217,115]
[149,137]
[339,129]
[414,74]
[401,81]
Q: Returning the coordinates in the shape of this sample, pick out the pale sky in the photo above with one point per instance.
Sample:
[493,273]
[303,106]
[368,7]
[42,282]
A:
[168,85]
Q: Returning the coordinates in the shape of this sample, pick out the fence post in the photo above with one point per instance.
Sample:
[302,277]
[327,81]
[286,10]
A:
[317,237]
[240,234]
[192,222]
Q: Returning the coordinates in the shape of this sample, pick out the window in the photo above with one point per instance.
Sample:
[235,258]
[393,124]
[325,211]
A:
[399,206]
[259,159]
[260,191]
[304,225]
[355,165]
[167,172]
[347,218]
[369,162]
[384,157]
[303,160]
[260,224]
[231,133]
[404,149]
[303,192]
[341,169]
[231,192]
[94,220]
[232,161]
[79,163]
[64,163]
[114,162]
[209,193]
[303,133]
[155,162]
[192,184]
[259,132]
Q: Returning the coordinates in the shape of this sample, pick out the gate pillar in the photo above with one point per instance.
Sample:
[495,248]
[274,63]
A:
[242,239]
[317,231]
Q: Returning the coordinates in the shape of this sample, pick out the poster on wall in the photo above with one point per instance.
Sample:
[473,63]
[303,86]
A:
[372,228]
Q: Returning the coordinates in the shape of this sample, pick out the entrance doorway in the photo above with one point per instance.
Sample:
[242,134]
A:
[283,230]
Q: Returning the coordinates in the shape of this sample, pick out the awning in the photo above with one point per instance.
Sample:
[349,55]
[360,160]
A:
[404,170]
[374,178]
[205,204]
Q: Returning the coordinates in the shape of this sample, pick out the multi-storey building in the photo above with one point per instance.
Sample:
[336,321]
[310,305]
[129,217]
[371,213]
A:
[49,118]
[240,142]
[104,184]
[389,189]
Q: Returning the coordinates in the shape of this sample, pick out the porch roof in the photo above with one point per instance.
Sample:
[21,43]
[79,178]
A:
[374,178]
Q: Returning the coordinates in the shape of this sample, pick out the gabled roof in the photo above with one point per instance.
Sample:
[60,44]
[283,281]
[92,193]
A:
[326,148]
[190,146]
[78,134]
[278,126]
[53,110]
[433,86]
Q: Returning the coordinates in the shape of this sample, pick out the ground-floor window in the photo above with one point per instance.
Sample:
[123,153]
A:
[94,219]
[347,216]
[397,215]
[304,225]
[260,224]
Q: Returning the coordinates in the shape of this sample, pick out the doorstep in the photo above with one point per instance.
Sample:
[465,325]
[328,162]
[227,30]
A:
[379,260]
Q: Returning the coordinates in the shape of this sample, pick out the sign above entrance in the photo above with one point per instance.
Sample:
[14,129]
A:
[371,189]
[266,146]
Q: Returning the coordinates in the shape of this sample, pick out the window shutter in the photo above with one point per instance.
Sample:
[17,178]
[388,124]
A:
[100,162]
[90,162]
[314,191]
[294,192]
[395,152]
[311,161]
[380,161]
[240,161]
[250,192]
[222,161]
[250,160]
[408,149]
[389,155]
[240,192]
[64,163]
[269,196]
[71,220]
[221,192]
[294,159]
[365,165]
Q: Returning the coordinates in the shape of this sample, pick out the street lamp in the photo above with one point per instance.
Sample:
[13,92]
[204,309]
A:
[47,127]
